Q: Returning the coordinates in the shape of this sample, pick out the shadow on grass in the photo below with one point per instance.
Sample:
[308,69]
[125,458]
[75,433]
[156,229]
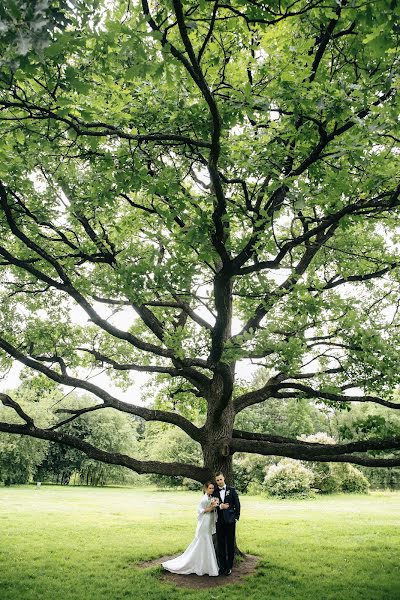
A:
[245,567]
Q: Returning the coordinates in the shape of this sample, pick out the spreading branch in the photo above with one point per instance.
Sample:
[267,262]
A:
[309,451]
[142,467]
[145,413]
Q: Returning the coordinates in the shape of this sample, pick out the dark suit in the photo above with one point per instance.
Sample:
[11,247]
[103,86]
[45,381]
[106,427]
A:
[226,527]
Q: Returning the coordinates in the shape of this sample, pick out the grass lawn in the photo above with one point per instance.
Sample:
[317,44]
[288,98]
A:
[79,543]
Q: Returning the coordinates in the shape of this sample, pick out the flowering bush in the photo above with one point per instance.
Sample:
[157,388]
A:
[288,478]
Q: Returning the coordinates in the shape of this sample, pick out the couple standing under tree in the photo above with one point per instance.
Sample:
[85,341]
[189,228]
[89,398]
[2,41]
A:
[218,512]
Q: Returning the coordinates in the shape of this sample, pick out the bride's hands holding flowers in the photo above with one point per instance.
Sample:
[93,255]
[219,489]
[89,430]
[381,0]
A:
[213,503]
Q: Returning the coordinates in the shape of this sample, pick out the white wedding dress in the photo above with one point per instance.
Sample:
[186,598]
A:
[200,556]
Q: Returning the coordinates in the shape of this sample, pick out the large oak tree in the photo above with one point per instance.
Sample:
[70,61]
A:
[208,182]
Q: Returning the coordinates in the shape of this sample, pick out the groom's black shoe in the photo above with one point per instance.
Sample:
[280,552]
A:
[221,571]
[228,572]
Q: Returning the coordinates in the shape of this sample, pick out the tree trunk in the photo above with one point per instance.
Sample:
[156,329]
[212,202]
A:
[215,462]
[216,450]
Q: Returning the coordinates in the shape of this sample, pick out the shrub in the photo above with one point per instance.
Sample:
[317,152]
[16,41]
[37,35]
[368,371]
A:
[288,478]
[249,471]
[191,484]
[354,480]
[335,477]
[327,477]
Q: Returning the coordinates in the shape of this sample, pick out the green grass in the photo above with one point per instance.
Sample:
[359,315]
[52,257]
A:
[83,543]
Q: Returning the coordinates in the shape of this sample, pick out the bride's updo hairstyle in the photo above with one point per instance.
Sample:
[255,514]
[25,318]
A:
[206,484]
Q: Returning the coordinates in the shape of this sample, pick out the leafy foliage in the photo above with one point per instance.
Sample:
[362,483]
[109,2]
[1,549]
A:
[339,477]
[24,458]
[185,186]
[288,478]
[19,458]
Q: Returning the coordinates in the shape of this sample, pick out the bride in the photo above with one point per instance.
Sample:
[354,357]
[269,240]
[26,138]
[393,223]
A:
[199,557]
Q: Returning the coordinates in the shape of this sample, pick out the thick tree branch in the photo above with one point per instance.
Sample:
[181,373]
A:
[323,232]
[383,202]
[209,32]
[196,73]
[102,358]
[219,237]
[200,474]
[324,40]
[176,303]
[326,138]
[311,451]
[9,402]
[277,16]
[256,396]
[222,283]
[146,413]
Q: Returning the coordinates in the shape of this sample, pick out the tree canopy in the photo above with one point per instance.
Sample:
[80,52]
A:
[185,185]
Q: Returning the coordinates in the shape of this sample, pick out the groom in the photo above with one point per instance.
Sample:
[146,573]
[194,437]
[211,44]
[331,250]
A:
[228,514]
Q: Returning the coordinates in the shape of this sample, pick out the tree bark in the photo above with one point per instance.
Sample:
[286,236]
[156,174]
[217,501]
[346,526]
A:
[218,431]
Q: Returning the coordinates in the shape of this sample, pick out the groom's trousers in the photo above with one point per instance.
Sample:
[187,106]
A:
[225,545]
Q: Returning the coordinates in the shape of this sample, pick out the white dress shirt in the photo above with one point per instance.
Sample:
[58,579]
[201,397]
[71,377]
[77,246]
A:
[222,493]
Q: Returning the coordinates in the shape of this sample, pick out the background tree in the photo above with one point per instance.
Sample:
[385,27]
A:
[20,455]
[371,422]
[23,459]
[19,458]
[204,183]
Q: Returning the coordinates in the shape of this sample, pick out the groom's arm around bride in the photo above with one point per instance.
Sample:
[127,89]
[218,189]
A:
[232,513]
